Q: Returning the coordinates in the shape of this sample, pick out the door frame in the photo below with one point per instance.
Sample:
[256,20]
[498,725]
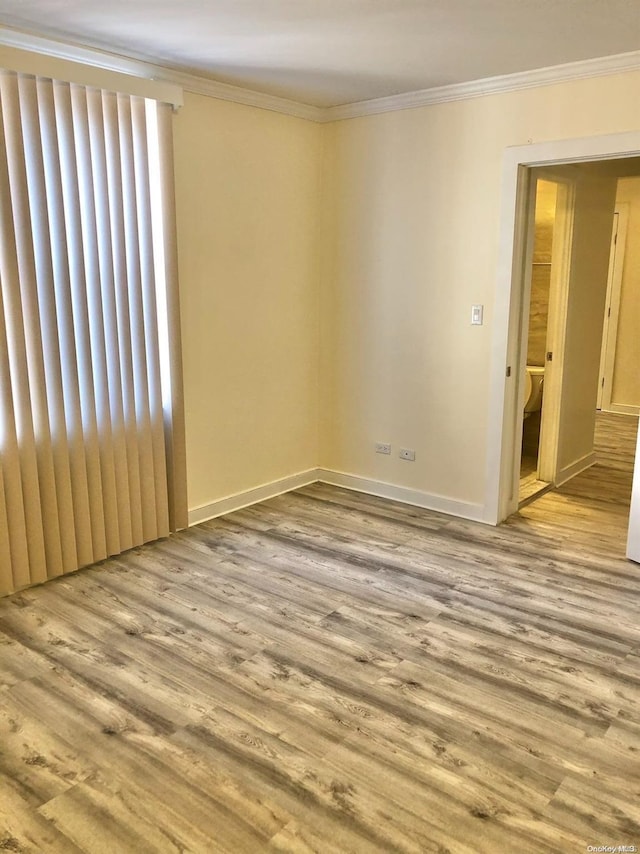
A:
[556,326]
[556,321]
[612,314]
[506,393]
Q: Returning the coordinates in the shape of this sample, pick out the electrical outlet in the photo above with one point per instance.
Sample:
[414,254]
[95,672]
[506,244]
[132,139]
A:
[407,454]
[383,448]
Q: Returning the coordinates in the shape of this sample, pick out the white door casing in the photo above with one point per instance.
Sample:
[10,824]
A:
[612,314]
[506,390]
[556,330]
[608,351]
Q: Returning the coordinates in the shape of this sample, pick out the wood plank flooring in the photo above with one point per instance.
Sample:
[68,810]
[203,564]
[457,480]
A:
[529,487]
[333,672]
[614,444]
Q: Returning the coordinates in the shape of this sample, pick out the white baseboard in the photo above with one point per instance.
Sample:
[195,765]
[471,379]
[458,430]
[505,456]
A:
[403,494]
[251,496]
[575,468]
[415,497]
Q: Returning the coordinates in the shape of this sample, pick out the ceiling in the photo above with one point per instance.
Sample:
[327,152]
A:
[332,52]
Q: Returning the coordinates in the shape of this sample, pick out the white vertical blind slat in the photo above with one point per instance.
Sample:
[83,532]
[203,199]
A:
[159,119]
[150,313]
[113,250]
[15,230]
[138,347]
[123,315]
[64,396]
[31,240]
[54,476]
[113,387]
[16,573]
[6,575]
[71,198]
[93,283]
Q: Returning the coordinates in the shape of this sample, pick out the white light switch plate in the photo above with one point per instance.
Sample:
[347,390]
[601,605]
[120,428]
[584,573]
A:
[477,312]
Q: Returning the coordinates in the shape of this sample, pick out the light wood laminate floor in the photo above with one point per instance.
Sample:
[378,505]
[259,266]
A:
[333,672]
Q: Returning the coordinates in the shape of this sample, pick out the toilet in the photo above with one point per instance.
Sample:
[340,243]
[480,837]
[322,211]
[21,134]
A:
[534,381]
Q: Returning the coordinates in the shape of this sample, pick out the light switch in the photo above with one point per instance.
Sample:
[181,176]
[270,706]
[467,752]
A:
[476,315]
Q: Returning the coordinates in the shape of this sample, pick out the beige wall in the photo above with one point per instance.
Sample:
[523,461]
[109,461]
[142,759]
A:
[247,184]
[411,240]
[626,372]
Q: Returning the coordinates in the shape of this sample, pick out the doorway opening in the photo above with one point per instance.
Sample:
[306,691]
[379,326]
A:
[572,279]
[574,360]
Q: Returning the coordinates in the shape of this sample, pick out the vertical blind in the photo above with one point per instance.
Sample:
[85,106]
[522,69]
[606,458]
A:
[91,408]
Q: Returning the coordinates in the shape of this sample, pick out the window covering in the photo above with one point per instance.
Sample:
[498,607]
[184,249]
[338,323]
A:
[92,458]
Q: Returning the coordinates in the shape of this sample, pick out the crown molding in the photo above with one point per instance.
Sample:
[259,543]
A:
[143,68]
[583,69]
[138,66]
[249,97]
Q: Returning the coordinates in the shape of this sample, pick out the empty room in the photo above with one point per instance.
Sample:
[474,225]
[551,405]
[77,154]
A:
[319,398]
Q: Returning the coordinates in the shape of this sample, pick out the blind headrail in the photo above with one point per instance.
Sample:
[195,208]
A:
[70,71]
